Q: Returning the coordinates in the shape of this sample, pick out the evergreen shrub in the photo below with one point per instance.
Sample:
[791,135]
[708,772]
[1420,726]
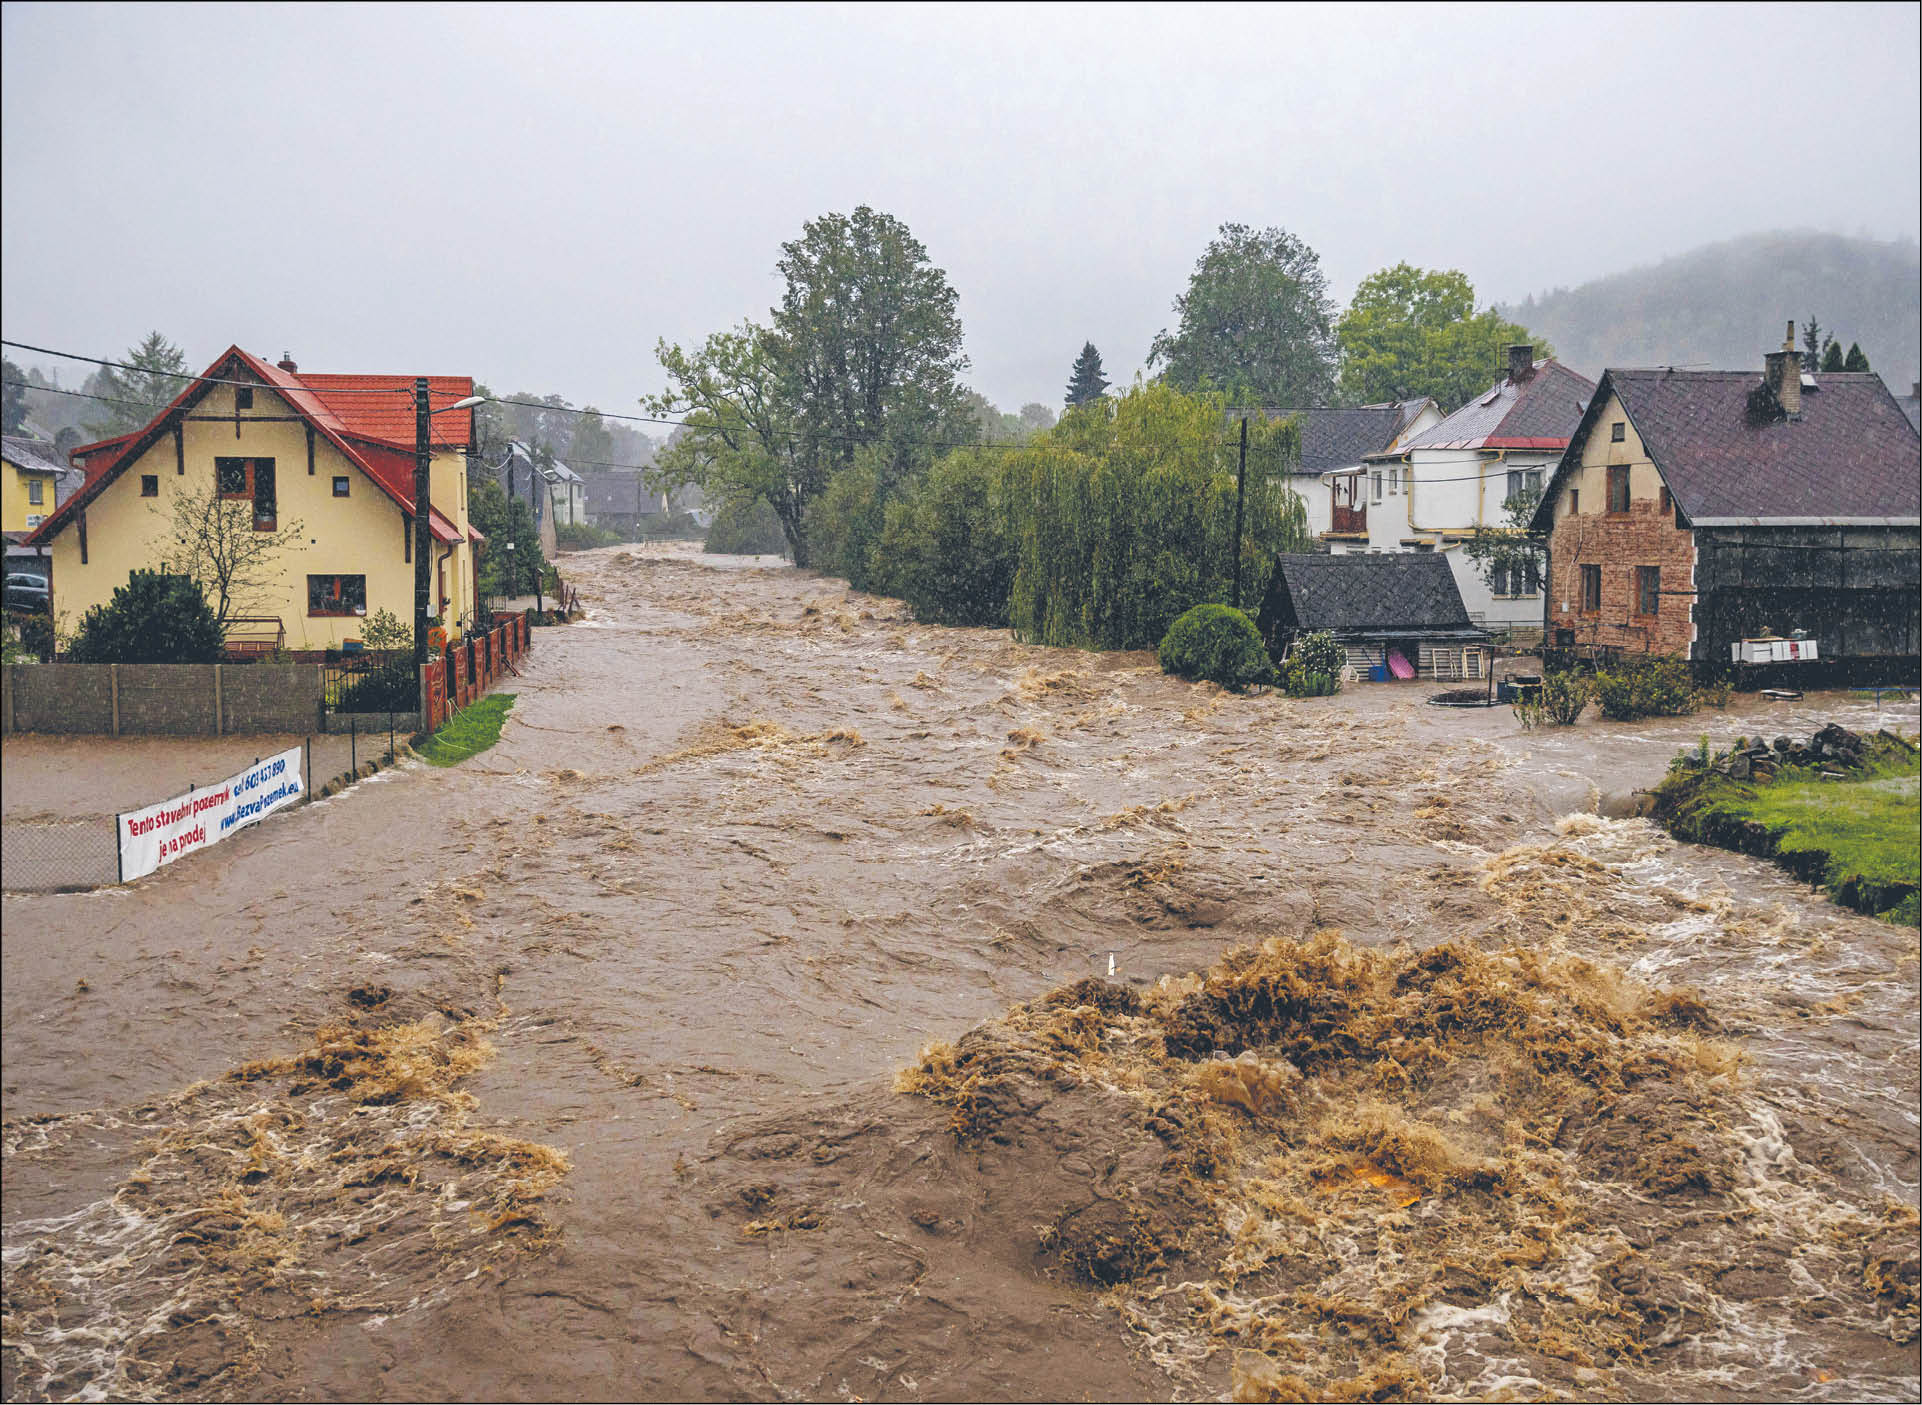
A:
[153,618]
[1217,643]
[1650,686]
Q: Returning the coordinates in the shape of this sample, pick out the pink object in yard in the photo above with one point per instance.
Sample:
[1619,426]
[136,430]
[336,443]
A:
[1399,666]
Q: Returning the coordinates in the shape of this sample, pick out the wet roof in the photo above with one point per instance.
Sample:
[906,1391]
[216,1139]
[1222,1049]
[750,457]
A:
[1402,592]
[1849,455]
[1539,412]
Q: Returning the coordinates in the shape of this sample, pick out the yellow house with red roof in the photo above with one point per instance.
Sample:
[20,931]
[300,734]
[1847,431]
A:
[333,453]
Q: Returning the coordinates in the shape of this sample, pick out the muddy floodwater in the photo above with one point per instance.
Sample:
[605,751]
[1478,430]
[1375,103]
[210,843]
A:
[779,1011]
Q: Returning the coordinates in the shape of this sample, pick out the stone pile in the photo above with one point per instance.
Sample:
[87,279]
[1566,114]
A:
[1833,751]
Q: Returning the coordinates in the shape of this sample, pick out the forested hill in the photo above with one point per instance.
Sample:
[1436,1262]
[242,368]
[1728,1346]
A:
[1723,305]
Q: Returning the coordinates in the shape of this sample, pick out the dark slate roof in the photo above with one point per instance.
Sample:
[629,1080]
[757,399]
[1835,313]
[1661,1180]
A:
[1537,413]
[1341,438]
[1850,456]
[1403,592]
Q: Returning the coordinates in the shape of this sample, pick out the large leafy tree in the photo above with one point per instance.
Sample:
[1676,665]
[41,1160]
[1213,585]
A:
[739,442]
[1413,331]
[1087,381]
[592,446]
[1256,322]
[868,338]
[156,372]
[860,362]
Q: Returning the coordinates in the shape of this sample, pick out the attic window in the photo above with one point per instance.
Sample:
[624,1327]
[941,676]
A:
[340,486]
[244,398]
[1617,432]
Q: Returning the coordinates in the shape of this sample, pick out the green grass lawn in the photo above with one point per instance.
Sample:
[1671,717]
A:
[1869,827]
[1861,839]
[469,733]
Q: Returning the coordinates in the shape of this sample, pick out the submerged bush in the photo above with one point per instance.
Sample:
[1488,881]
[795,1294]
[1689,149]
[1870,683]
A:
[1563,695]
[945,546]
[1217,643]
[746,529]
[1651,686]
[1314,666]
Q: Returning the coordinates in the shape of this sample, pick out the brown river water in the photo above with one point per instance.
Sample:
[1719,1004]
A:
[697,1041]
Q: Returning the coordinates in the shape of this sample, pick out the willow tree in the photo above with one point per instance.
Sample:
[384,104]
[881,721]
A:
[1123,516]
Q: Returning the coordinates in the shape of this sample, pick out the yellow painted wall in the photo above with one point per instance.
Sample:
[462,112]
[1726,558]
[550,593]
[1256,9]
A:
[361,534]
[14,507]
[1601,451]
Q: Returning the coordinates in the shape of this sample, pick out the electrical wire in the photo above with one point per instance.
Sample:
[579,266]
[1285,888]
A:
[791,435]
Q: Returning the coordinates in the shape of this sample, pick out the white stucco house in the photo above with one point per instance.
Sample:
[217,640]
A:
[1336,441]
[1431,491]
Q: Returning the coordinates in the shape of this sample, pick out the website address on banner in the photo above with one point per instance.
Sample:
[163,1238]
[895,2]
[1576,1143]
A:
[243,813]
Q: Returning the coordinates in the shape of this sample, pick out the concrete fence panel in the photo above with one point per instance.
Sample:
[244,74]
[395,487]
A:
[269,697]
[162,699]
[167,699]
[68,697]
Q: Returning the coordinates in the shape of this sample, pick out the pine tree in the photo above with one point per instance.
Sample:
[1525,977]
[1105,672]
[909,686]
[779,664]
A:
[1812,339]
[1088,382]
[1832,357]
[156,372]
[1856,359]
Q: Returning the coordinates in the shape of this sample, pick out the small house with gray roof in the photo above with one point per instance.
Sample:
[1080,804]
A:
[1695,509]
[1398,615]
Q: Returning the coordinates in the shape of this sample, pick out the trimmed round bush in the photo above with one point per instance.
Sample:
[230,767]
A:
[1215,642]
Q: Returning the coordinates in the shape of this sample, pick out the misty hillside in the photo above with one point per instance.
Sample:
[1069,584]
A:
[1721,306]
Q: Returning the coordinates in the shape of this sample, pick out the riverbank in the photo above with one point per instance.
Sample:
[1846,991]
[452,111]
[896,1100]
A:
[1841,813]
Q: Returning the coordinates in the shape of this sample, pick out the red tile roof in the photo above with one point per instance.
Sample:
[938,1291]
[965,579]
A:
[382,407]
[389,463]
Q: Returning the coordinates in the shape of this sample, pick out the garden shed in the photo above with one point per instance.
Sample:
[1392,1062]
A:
[1398,614]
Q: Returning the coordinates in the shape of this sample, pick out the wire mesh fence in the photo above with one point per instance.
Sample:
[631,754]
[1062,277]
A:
[58,856]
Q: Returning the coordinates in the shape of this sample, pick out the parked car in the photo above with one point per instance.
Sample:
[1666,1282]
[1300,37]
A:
[28,592]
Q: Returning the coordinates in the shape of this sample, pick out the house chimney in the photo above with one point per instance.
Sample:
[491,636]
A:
[1521,361]
[286,362]
[1783,375]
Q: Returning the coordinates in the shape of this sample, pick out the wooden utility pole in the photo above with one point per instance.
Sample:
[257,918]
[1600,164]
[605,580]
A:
[423,534]
[1241,493]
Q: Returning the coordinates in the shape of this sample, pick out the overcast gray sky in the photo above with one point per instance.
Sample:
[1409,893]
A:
[535,194]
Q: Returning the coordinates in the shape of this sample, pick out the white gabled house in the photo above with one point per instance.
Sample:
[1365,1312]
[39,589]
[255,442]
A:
[1431,491]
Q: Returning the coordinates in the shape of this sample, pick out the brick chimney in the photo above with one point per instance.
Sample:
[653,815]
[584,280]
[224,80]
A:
[1521,361]
[1782,374]
[286,363]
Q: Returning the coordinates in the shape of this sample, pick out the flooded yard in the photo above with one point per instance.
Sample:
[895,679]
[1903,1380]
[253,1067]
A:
[572,1071]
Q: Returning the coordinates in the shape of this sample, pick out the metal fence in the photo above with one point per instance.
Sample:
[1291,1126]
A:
[372,681]
[59,856]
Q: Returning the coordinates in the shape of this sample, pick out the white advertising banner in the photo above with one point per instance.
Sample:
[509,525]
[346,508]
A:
[162,833]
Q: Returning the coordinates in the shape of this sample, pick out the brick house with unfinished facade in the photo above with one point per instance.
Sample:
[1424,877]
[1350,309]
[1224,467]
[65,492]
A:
[1693,509]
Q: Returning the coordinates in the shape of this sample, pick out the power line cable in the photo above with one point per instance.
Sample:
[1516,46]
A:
[791,435]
